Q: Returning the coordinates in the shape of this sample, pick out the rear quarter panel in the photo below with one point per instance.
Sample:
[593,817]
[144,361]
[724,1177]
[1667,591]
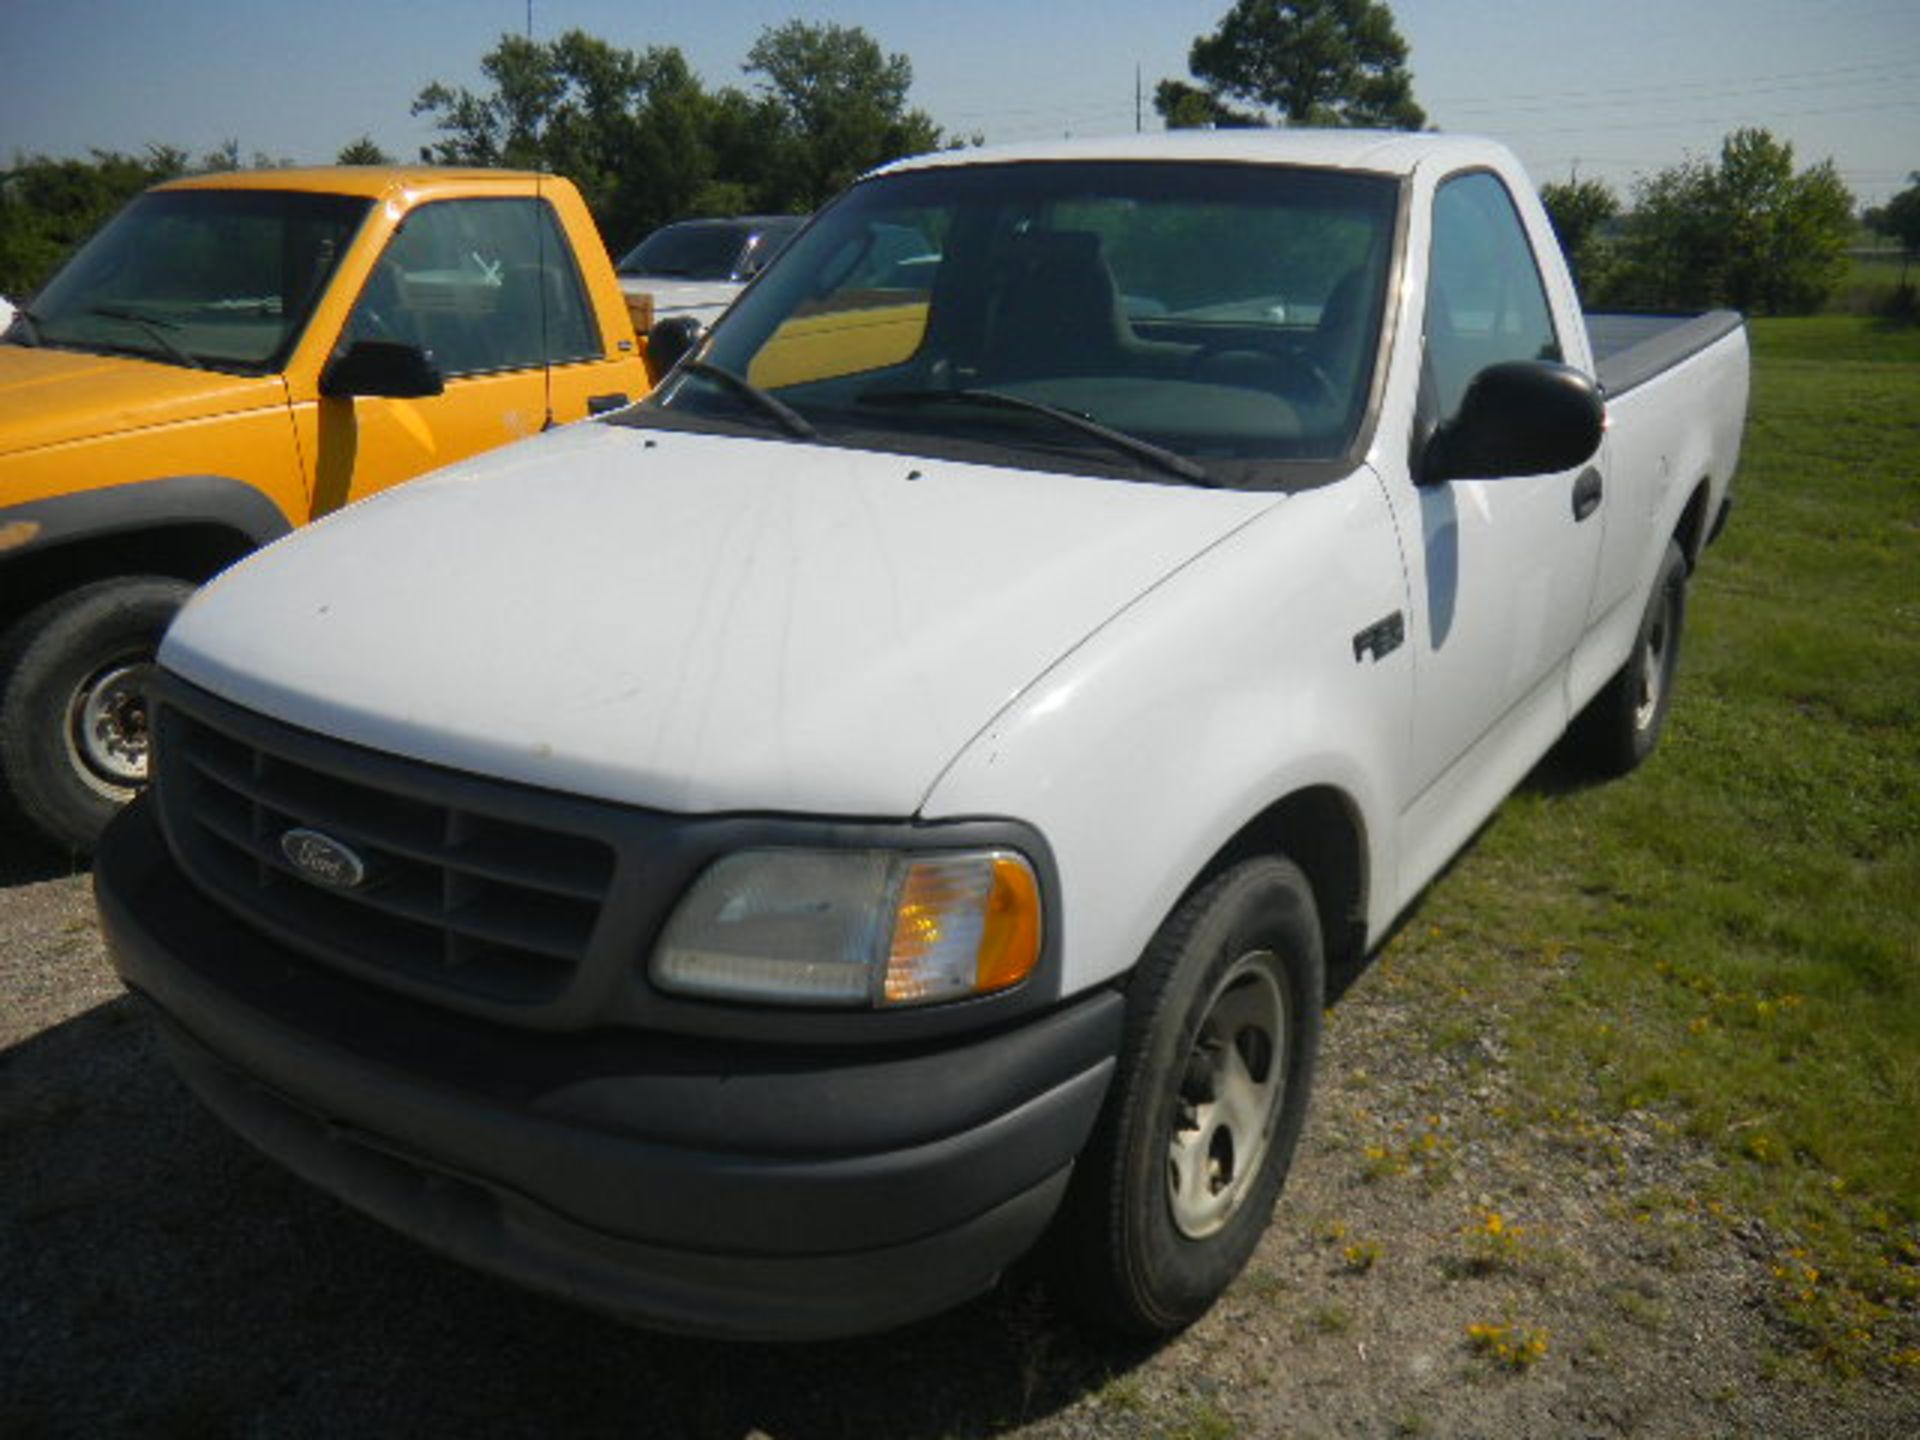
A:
[1665,439]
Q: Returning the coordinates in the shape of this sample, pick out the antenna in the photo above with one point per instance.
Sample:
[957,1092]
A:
[540,280]
[540,213]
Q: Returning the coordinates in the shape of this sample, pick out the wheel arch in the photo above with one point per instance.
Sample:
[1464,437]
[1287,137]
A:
[1320,829]
[1691,529]
[186,527]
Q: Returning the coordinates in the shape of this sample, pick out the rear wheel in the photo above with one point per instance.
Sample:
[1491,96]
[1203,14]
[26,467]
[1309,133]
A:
[1207,1103]
[73,709]
[1621,725]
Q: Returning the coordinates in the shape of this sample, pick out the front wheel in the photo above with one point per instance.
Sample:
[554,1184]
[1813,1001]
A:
[73,709]
[1208,1100]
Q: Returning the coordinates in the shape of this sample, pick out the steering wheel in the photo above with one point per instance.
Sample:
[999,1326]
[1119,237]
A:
[1250,369]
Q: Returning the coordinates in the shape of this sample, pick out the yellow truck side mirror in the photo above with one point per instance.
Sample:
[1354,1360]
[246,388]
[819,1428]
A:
[382,367]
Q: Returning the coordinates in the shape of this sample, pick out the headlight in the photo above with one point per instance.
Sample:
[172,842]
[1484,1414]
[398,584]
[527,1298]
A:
[853,928]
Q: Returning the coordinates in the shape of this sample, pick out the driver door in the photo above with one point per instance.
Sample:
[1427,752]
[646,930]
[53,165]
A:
[488,289]
[1508,564]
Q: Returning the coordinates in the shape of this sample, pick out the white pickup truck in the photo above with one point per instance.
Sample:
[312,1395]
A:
[757,862]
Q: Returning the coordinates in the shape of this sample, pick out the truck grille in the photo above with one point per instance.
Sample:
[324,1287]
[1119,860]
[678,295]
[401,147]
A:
[458,894]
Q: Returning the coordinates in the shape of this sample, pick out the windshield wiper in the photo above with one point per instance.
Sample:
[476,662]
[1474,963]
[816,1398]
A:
[1156,455]
[154,327]
[790,419]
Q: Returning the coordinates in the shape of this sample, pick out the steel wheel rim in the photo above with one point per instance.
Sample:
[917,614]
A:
[107,729]
[1227,1097]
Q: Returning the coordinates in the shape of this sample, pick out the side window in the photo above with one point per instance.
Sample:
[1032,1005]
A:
[1485,301]
[485,285]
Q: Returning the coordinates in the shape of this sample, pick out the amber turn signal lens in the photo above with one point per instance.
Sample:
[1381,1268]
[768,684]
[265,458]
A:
[964,924]
[1010,948]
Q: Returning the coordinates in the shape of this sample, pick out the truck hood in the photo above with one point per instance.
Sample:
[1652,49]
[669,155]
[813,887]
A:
[690,622]
[55,397]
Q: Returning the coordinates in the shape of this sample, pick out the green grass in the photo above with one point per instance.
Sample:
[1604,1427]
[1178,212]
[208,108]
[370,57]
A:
[1729,940]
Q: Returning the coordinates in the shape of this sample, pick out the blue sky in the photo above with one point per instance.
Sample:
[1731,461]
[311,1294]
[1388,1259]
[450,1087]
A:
[1620,88]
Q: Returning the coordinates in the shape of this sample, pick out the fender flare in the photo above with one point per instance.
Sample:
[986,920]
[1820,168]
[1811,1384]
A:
[37,526]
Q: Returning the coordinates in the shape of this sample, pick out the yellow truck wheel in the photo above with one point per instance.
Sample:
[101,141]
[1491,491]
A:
[73,716]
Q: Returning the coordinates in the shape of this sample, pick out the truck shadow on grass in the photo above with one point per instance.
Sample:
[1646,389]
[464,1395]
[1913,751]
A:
[164,1279]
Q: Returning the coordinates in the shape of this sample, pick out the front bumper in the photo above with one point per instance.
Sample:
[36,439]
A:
[724,1187]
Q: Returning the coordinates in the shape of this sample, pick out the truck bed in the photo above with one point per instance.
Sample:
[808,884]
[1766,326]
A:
[1629,350]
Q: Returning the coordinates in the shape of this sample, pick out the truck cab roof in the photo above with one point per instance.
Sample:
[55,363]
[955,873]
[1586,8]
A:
[368,180]
[1390,152]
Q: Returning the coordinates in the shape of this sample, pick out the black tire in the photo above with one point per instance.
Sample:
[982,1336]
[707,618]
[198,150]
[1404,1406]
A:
[72,720]
[1621,725]
[1173,1192]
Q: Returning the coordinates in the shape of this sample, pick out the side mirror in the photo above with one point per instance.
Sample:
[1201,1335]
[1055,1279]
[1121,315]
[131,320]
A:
[382,367]
[669,339]
[1521,417]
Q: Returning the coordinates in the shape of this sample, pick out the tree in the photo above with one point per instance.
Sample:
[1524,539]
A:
[647,143]
[840,104]
[362,152]
[1786,235]
[628,127]
[1579,209]
[1900,219]
[1749,232]
[47,207]
[1188,107]
[1668,241]
[224,156]
[1315,62]
[501,128]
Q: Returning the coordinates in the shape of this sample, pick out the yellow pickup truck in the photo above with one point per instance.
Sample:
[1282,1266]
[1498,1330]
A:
[232,356]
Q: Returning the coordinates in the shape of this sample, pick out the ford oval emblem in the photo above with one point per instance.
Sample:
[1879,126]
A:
[322,859]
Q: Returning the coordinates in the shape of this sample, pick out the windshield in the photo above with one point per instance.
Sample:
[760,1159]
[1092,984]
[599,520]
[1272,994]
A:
[1226,313]
[223,279]
[692,250]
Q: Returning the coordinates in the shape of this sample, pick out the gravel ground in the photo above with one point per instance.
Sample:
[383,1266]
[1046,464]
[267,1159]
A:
[157,1277]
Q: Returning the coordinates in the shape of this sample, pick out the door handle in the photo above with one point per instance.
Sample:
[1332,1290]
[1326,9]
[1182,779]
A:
[1586,494]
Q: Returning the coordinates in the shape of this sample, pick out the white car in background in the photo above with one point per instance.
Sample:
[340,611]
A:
[696,267]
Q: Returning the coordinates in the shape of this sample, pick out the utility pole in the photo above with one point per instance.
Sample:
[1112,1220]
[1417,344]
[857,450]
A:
[1136,99]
